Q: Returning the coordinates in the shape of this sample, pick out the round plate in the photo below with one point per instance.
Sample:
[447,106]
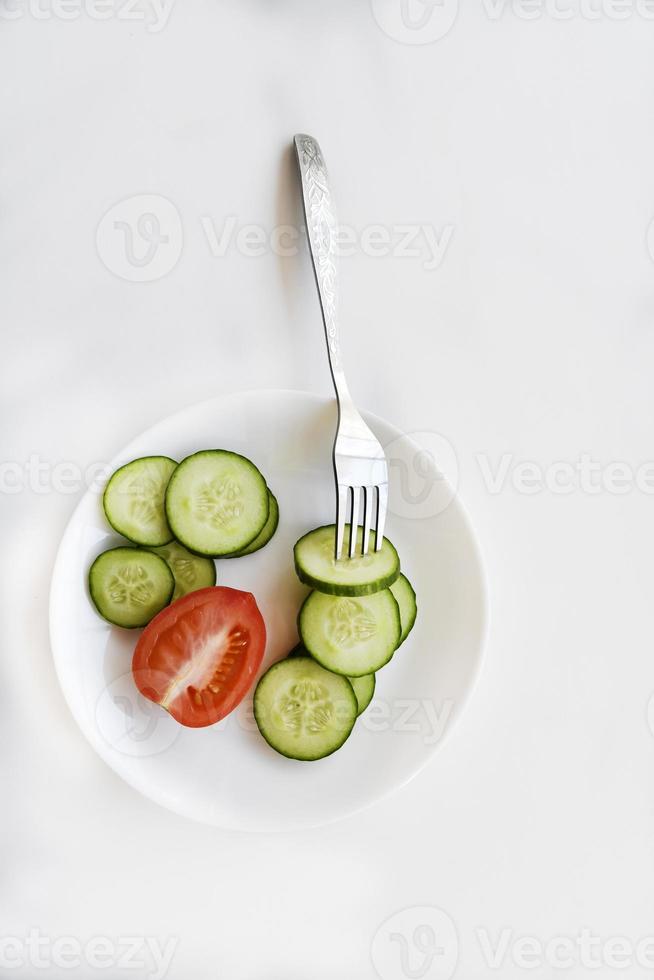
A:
[227,775]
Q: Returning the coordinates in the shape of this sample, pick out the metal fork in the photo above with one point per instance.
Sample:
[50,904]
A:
[360,466]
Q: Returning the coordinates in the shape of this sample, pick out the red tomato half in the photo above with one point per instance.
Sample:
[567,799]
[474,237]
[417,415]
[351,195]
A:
[199,656]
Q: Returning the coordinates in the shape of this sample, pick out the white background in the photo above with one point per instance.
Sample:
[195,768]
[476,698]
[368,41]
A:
[533,140]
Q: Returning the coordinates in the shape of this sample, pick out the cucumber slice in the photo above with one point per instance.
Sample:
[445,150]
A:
[130,586]
[351,636]
[364,688]
[216,502]
[264,536]
[133,500]
[406,600]
[191,572]
[362,575]
[303,711]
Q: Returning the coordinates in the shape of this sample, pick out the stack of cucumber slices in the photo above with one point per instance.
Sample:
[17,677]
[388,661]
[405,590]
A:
[177,518]
[360,611]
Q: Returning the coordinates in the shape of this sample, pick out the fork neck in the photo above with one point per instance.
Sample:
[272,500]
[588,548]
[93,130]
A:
[343,395]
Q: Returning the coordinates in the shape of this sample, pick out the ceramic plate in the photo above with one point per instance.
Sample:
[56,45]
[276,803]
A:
[227,775]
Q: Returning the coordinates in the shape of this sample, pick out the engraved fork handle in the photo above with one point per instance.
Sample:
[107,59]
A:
[322,229]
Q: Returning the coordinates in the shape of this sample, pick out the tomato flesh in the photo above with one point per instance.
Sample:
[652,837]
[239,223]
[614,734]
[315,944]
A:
[199,656]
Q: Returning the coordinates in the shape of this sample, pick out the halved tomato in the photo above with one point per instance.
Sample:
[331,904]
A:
[199,656]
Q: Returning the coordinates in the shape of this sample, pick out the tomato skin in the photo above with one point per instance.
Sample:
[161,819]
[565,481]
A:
[199,656]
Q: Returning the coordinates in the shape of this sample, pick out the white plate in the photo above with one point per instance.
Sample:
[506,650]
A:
[227,775]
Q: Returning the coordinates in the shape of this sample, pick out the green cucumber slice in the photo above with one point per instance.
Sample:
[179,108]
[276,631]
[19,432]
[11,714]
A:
[216,502]
[130,586]
[406,600]
[264,536]
[351,636]
[364,688]
[303,711]
[361,575]
[191,572]
[133,500]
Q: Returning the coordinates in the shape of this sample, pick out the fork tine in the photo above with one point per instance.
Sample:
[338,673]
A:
[382,504]
[341,516]
[354,523]
[368,497]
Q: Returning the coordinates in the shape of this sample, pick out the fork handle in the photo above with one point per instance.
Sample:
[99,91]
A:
[321,233]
